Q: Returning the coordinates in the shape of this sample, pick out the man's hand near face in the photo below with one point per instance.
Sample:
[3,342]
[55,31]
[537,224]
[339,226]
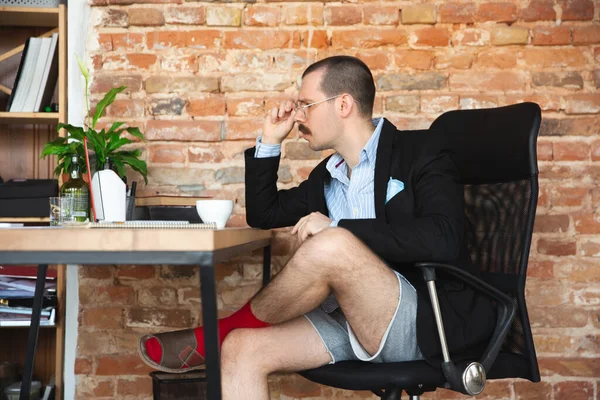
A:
[278,123]
[310,225]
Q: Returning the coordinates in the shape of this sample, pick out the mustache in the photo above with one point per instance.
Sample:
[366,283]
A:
[304,129]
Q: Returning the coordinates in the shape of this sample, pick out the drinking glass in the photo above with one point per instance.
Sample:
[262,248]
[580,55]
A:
[61,210]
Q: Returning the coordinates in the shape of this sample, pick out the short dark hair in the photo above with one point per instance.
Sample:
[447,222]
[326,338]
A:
[345,74]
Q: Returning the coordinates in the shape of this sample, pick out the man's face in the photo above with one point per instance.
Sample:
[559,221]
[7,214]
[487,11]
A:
[319,126]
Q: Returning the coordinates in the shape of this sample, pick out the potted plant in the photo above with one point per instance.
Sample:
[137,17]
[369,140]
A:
[106,144]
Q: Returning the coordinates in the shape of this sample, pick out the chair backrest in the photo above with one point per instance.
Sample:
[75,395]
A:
[495,152]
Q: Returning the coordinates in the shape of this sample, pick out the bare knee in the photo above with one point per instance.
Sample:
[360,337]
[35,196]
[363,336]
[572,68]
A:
[330,248]
[241,351]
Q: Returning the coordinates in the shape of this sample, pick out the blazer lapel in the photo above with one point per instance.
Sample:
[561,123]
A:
[382,167]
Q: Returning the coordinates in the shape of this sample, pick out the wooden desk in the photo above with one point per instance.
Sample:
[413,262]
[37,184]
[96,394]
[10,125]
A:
[67,245]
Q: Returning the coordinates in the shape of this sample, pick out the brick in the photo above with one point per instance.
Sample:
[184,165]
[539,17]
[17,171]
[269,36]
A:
[241,129]
[146,17]
[542,269]
[230,175]
[300,151]
[475,102]
[571,151]
[205,39]
[182,15]
[223,16]
[557,317]
[314,39]
[572,366]
[183,176]
[171,272]
[103,83]
[132,386]
[381,14]
[569,196]
[579,126]
[122,364]
[342,15]
[567,80]
[586,296]
[166,154]
[457,13]
[431,36]
[587,224]
[204,154]
[250,61]
[554,247]
[206,106]
[597,78]
[83,366]
[115,294]
[586,35]
[103,317]
[420,81]
[419,14]
[368,38]
[497,12]
[462,60]
[126,108]
[437,104]
[113,18]
[547,102]
[91,386]
[135,272]
[172,106]
[152,317]
[142,61]
[502,81]
[533,391]
[471,37]
[582,104]
[596,150]
[547,293]
[299,387]
[551,35]
[105,42]
[574,390]
[182,84]
[538,10]
[127,41]
[255,82]
[497,58]
[551,223]
[583,271]
[505,35]
[184,63]
[245,107]
[376,60]
[157,296]
[403,103]
[261,40]
[164,40]
[576,10]
[303,14]
[238,296]
[204,131]
[589,248]
[417,59]
[261,15]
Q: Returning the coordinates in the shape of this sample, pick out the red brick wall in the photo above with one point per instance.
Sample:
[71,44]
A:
[200,77]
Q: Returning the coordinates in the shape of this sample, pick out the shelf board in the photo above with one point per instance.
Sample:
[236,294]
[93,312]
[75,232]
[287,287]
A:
[25,220]
[28,16]
[50,118]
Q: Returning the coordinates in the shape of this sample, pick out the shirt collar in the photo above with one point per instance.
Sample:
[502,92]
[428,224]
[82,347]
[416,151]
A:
[369,152]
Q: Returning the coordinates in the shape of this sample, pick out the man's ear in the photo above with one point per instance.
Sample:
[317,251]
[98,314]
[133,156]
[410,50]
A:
[346,105]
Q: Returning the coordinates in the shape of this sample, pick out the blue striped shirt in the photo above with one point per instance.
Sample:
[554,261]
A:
[345,198]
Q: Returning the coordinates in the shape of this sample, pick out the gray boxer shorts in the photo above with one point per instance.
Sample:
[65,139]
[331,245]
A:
[399,343]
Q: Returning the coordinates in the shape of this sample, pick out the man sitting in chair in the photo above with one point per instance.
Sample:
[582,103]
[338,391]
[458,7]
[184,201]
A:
[383,201]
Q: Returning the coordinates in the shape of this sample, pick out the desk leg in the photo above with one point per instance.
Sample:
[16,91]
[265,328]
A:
[211,340]
[34,330]
[266,265]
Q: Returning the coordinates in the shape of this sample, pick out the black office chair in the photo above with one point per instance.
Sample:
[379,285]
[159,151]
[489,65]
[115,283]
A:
[495,151]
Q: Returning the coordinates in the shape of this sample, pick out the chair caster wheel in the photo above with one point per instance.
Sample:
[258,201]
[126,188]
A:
[474,379]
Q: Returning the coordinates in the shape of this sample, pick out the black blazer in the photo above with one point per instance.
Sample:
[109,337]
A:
[423,222]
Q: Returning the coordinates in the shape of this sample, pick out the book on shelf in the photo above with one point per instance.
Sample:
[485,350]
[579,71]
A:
[24,284]
[36,76]
[24,271]
[11,318]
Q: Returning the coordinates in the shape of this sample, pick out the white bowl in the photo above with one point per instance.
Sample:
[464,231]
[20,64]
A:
[217,211]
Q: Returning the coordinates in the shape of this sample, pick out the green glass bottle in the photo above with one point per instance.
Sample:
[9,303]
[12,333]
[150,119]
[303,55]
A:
[80,191]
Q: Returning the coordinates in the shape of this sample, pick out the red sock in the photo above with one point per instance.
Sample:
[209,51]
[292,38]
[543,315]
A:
[243,318]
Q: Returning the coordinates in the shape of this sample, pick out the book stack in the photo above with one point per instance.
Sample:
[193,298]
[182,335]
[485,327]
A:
[36,77]
[17,288]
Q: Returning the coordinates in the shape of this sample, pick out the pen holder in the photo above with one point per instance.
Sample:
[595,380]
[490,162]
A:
[130,208]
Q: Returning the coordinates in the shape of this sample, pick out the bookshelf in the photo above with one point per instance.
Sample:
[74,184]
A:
[22,137]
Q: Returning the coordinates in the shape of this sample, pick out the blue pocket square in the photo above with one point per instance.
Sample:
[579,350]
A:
[394,187]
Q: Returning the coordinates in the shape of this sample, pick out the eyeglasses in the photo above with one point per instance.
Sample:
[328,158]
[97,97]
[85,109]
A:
[301,108]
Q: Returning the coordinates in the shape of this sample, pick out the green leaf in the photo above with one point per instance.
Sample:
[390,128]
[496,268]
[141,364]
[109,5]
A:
[114,127]
[105,102]
[75,132]
[133,131]
[131,158]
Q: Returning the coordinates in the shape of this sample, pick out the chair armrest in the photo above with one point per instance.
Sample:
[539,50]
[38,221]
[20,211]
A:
[506,307]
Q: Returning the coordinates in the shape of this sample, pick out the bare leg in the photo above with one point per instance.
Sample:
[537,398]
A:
[249,355]
[334,261]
